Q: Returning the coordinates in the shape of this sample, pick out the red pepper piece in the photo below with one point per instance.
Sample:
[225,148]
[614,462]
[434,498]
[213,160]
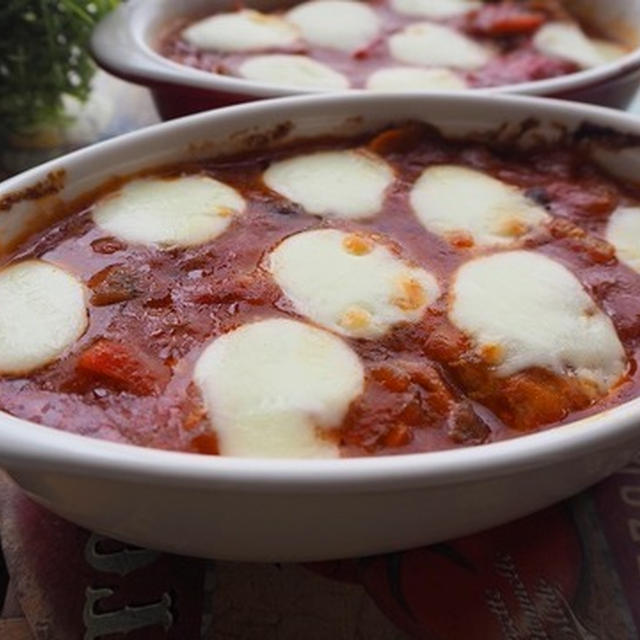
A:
[504,20]
[124,366]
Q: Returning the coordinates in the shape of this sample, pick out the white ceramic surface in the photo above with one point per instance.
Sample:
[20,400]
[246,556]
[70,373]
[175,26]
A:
[123,43]
[305,509]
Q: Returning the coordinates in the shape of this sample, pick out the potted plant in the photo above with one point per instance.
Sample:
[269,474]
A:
[45,73]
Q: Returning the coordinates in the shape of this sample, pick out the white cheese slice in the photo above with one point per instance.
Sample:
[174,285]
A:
[435,45]
[623,232]
[621,163]
[350,283]
[244,30]
[450,200]
[336,24]
[340,184]
[273,386]
[415,79]
[292,71]
[42,313]
[531,311]
[175,212]
[607,50]
[434,8]
[567,41]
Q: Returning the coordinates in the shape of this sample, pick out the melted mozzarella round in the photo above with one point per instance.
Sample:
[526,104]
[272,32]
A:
[533,312]
[434,8]
[450,200]
[339,184]
[567,41]
[349,283]
[623,232]
[438,46]
[180,212]
[608,51]
[344,25]
[415,79]
[292,71]
[42,314]
[272,387]
[244,30]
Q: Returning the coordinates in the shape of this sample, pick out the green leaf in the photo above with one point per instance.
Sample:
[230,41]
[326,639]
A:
[43,55]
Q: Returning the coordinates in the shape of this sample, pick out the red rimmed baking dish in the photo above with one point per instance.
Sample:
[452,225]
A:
[124,44]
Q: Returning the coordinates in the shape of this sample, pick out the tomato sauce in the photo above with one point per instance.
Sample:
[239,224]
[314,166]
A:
[152,311]
[506,27]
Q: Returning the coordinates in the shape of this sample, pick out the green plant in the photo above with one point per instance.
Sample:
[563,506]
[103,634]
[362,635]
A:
[43,56]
